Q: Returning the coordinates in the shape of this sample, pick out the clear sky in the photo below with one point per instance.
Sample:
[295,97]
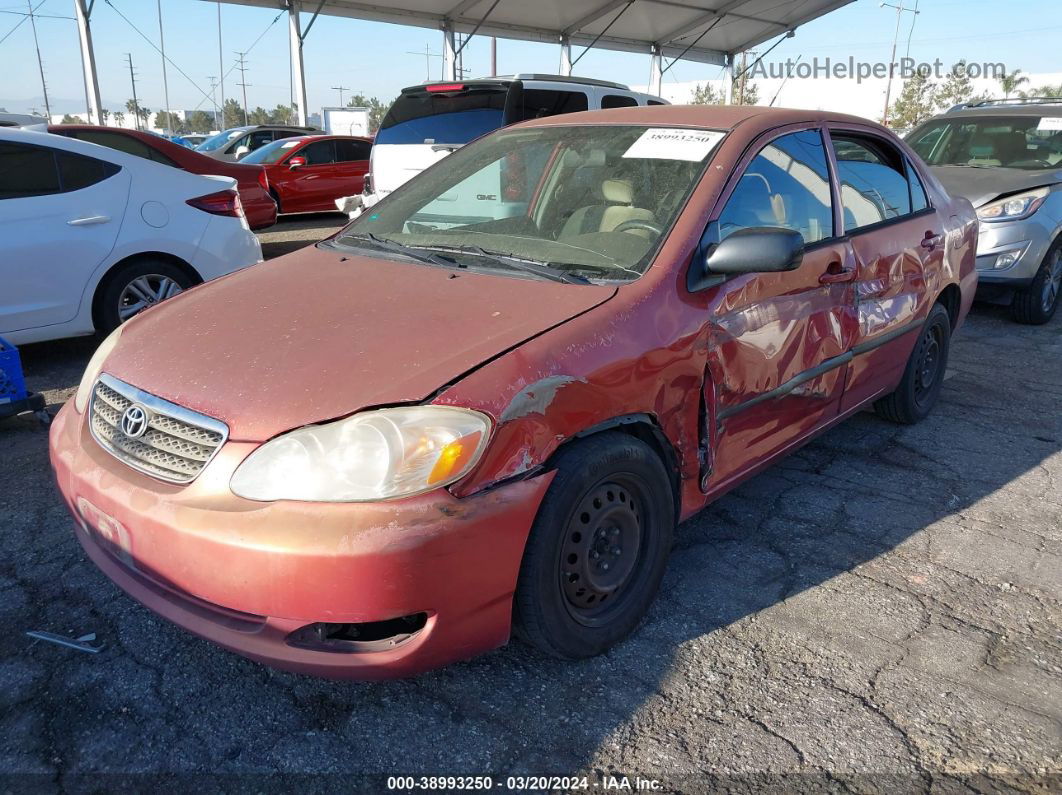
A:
[378,60]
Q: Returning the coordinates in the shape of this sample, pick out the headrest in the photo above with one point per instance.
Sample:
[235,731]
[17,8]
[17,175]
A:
[617,191]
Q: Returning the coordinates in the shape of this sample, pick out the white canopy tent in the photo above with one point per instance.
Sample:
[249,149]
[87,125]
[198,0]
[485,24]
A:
[706,31]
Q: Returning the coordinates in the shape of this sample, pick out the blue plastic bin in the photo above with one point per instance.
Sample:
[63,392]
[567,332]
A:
[14,398]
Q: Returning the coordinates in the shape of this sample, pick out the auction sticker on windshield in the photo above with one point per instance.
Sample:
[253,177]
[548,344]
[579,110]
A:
[662,143]
[1049,123]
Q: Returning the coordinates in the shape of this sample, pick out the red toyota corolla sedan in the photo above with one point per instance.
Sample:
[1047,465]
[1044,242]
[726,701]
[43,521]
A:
[472,411]
[308,173]
[258,204]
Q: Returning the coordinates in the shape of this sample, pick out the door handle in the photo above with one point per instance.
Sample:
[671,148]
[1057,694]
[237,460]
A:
[89,220]
[837,276]
[931,241]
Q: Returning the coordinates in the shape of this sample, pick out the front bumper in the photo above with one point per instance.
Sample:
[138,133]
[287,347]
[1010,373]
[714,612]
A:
[1025,241]
[246,574]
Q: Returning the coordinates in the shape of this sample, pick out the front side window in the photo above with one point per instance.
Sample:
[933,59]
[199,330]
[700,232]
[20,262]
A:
[590,201]
[873,180]
[786,185]
[319,153]
[1030,143]
[271,153]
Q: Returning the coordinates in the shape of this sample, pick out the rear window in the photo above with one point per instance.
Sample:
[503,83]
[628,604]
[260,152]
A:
[450,118]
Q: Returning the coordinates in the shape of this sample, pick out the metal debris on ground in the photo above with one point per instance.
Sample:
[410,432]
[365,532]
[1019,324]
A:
[81,644]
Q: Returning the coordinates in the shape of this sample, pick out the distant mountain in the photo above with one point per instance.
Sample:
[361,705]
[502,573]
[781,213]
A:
[61,105]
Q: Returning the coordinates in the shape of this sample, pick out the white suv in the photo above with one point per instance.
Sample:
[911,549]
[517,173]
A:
[429,121]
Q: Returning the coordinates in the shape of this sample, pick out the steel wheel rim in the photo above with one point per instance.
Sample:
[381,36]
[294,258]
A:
[603,550]
[144,292]
[930,348]
[1053,283]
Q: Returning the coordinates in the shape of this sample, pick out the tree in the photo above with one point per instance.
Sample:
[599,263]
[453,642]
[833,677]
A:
[377,110]
[145,114]
[283,114]
[131,106]
[956,89]
[119,118]
[68,119]
[200,121]
[746,92]
[1047,90]
[707,95]
[104,115]
[232,114]
[1010,82]
[916,103]
[176,124]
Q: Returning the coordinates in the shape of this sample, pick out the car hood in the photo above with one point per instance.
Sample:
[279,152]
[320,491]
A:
[981,185]
[319,334]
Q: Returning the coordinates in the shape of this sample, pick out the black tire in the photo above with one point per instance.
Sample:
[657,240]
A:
[923,378]
[610,491]
[112,299]
[1037,303]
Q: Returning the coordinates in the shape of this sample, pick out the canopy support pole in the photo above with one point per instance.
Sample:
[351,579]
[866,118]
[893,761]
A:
[83,11]
[449,52]
[656,71]
[565,56]
[297,69]
[728,80]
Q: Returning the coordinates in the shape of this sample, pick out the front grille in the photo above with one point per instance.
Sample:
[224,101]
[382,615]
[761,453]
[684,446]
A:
[176,444]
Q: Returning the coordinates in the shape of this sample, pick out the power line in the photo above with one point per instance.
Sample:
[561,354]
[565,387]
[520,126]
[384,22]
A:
[341,89]
[40,63]
[242,66]
[245,52]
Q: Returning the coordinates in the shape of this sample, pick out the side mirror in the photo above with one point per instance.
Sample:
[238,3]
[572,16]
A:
[296,162]
[241,150]
[758,249]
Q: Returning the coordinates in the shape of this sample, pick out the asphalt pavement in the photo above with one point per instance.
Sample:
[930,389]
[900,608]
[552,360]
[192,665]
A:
[879,612]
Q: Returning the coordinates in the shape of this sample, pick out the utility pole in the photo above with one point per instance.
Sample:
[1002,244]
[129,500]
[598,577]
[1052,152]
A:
[40,63]
[221,71]
[214,98]
[493,55]
[132,80]
[341,89]
[243,81]
[165,84]
[428,55]
[892,61]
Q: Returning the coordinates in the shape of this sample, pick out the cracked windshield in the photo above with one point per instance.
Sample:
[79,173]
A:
[573,204]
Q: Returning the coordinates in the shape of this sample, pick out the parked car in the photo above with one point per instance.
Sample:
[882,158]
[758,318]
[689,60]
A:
[189,140]
[92,236]
[308,174]
[20,120]
[233,144]
[423,430]
[427,122]
[258,204]
[1005,156]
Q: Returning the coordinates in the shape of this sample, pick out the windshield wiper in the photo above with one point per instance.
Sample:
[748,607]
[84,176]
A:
[519,264]
[407,251]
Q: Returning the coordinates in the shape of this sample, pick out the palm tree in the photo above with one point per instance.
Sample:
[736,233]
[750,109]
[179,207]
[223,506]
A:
[119,118]
[1010,82]
[133,107]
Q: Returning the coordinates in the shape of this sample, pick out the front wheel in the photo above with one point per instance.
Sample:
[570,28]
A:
[136,287]
[1037,303]
[923,378]
[598,547]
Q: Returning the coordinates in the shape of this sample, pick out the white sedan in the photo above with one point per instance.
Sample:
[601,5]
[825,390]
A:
[90,236]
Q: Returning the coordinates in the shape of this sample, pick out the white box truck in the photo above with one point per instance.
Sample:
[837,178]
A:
[345,121]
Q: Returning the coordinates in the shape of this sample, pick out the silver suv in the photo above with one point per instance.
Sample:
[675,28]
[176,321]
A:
[1005,156]
[234,143]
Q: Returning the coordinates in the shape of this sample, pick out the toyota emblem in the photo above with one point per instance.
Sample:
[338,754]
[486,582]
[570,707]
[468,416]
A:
[135,421]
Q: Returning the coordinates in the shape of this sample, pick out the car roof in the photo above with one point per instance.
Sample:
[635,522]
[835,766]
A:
[716,117]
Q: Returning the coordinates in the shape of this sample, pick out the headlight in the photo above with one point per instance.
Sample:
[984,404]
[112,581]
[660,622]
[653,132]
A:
[1013,208]
[92,372]
[372,456]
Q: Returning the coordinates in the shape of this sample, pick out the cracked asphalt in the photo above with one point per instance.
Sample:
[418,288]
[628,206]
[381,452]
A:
[879,612]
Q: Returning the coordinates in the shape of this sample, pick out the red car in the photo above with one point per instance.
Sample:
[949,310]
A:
[308,173]
[258,204]
[377,455]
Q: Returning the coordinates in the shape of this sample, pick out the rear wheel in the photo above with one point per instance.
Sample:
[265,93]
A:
[923,378]
[598,547]
[1037,303]
[135,287]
